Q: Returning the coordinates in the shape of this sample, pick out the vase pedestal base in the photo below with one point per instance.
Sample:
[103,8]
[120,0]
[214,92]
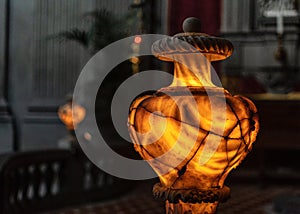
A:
[191,201]
[187,208]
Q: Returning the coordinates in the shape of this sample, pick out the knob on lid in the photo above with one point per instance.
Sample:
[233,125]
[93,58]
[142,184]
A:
[191,24]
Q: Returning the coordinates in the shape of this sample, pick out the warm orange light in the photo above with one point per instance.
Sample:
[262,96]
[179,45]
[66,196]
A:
[137,39]
[71,115]
[135,60]
[196,183]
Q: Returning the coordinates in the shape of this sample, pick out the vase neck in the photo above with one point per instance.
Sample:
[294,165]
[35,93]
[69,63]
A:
[192,70]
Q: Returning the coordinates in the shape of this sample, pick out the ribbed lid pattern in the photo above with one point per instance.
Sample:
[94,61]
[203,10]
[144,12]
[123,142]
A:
[213,48]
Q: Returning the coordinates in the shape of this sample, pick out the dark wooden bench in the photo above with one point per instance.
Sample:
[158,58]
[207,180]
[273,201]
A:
[37,181]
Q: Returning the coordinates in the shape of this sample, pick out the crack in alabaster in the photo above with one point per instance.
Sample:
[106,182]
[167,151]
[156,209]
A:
[212,130]
[232,149]
[201,129]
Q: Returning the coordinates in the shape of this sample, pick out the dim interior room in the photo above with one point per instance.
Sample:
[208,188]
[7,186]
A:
[90,90]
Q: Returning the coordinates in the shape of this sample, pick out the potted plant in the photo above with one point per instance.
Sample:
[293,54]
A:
[103,28]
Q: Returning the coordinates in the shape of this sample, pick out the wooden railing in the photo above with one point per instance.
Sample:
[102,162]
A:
[32,182]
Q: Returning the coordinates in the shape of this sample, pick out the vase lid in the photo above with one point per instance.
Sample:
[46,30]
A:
[213,48]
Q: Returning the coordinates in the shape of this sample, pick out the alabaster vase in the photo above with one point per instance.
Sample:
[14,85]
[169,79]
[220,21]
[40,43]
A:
[192,133]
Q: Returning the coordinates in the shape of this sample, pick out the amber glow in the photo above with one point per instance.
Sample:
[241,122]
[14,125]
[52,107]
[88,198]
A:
[236,141]
[135,60]
[185,127]
[70,115]
[138,39]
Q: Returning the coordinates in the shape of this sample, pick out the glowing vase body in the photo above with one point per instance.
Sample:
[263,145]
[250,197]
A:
[192,133]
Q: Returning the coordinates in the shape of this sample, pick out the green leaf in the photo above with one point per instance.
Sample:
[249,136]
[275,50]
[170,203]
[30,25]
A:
[74,34]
